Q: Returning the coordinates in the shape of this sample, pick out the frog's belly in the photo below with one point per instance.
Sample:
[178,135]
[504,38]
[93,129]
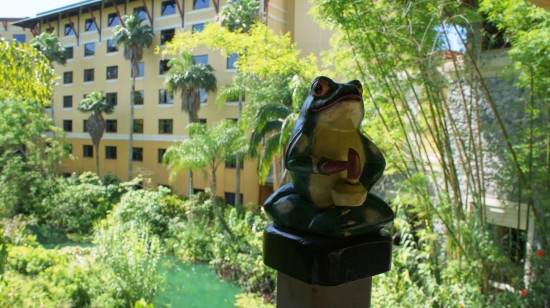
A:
[334,145]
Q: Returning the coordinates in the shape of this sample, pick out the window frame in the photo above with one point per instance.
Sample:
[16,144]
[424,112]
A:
[109,96]
[110,152]
[113,19]
[18,36]
[141,70]
[142,125]
[68,126]
[142,95]
[89,25]
[86,74]
[67,101]
[112,46]
[137,154]
[66,76]
[163,97]
[163,33]
[69,55]
[160,154]
[109,75]
[111,126]
[165,4]
[70,27]
[202,6]
[89,52]
[166,126]
[87,151]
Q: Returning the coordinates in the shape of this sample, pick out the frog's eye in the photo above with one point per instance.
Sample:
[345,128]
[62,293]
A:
[358,85]
[320,88]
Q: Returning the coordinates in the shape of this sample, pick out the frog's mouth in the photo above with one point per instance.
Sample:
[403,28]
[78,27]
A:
[348,97]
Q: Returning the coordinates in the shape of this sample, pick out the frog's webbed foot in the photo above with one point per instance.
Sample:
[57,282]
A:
[289,209]
[340,221]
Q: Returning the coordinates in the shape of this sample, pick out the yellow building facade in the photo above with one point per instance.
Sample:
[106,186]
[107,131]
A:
[96,64]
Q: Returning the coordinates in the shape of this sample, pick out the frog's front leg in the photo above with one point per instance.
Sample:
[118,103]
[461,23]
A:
[315,165]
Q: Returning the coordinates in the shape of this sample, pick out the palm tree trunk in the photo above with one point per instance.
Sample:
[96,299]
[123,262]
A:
[238,205]
[131,134]
[190,188]
[97,159]
[217,211]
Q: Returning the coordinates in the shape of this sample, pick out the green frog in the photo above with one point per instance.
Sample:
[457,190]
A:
[333,166]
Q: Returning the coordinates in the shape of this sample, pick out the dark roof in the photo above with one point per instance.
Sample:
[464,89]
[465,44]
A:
[55,13]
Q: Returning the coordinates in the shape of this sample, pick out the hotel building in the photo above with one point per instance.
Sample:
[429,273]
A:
[95,63]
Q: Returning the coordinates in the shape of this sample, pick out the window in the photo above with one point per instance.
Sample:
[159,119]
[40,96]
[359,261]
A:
[69,52]
[161,153]
[168,8]
[89,75]
[141,70]
[68,125]
[67,77]
[165,126]
[50,29]
[203,59]
[113,19]
[111,98]
[138,126]
[69,29]
[21,38]
[202,121]
[110,152]
[137,154]
[232,164]
[197,28]
[138,97]
[200,4]
[165,97]
[89,25]
[231,60]
[163,66]
[112,72]
[110,126]
[85,126]
[140,11]
[87,150]
[230,198]
[167,35]
[89,49]
[67,101]
[111,46]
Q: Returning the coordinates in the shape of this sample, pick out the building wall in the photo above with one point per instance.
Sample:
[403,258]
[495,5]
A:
[9,31]
[280,16]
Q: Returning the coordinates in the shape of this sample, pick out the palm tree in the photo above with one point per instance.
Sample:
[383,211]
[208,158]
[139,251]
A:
[97,104]
[189,78]
[49,45]
[206,150]
[135,37]
[273,126]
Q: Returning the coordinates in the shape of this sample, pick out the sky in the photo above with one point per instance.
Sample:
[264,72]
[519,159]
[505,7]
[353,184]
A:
[29,8]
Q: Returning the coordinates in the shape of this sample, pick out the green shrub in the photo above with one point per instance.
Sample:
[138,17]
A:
[80,201]
[32,261]
[157,209]
[132,253]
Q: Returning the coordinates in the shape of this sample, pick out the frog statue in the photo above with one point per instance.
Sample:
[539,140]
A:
[333,167]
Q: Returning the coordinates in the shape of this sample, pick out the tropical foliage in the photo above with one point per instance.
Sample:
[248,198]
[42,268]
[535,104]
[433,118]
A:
[205,150]
[50,46]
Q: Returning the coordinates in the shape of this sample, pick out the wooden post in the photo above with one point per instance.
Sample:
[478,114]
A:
[318,271]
